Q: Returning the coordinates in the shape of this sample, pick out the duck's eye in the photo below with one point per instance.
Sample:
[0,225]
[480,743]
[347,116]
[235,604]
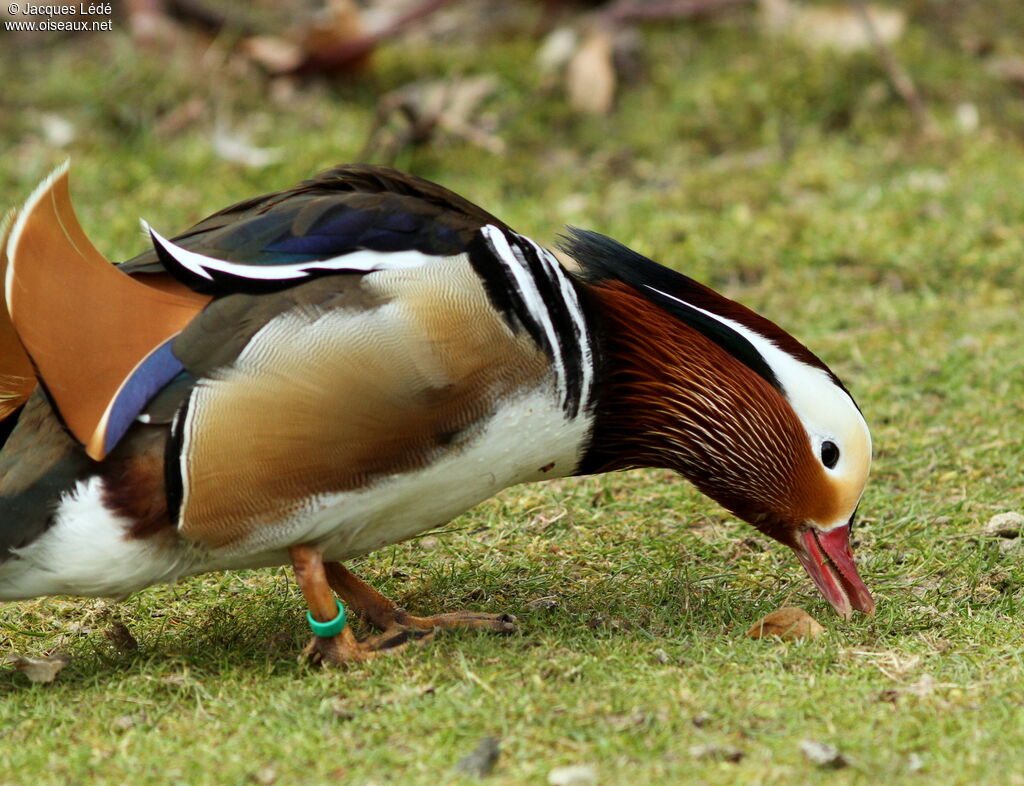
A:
[829,454]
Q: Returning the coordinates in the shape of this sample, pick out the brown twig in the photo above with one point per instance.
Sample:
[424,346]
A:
[898,75]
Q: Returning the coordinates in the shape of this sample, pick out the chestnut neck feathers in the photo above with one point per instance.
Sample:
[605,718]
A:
[682,390]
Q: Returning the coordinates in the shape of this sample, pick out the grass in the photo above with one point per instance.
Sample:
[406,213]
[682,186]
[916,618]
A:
[787,179]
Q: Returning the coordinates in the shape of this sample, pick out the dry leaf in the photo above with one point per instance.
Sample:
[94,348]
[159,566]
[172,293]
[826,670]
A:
[335,25]
[543,604]
[590,81]
[463,100]
[789,622]
[335,41]
[121,638]
[277,55]
[43,669]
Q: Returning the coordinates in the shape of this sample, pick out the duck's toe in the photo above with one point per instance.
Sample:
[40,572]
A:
[504,624]
[344,648]
[386,614]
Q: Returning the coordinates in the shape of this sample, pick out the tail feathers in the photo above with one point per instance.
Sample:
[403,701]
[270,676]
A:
[88,336]
[17,377]
[7,427]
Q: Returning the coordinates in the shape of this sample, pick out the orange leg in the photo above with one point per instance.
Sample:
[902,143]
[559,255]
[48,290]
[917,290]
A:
[387,616]
[342,647]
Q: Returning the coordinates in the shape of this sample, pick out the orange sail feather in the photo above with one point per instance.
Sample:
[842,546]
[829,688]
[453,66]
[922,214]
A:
[86,326]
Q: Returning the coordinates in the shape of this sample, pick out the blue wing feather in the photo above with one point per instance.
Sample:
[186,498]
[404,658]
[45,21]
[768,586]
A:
[152,374]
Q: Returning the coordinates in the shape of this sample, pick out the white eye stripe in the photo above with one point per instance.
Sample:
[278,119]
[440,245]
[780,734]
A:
[822,406]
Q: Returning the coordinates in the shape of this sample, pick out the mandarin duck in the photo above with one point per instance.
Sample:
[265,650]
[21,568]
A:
[311,375]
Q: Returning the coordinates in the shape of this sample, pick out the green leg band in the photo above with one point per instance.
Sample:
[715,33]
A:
[327,629]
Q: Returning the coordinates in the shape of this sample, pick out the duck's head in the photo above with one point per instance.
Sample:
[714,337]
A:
[700,384]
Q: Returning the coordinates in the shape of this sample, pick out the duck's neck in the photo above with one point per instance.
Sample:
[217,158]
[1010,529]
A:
[668,396]
[629,408]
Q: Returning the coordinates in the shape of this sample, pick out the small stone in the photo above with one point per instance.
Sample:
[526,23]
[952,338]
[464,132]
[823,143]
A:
[967,117]
[787,623]
[822,755]
[1011,546]
[480,763]
[576,775]
[542,604]
[265,775]
[58,131]
[661,656]
[1004,525]
[127,722]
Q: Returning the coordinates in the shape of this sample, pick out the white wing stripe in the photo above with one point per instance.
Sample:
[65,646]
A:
[531,296]
[572,302]
[363,261]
